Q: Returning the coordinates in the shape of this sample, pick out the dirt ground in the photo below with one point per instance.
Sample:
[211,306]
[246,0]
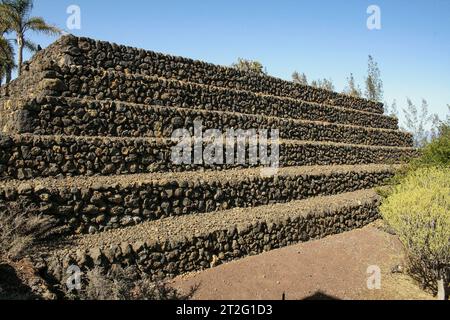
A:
[335,267]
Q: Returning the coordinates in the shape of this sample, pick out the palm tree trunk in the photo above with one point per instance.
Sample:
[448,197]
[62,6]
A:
[20,53]
[8,74]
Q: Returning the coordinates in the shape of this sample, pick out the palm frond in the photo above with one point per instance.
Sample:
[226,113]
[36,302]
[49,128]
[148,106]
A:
[15,16]
[39,24]
[4,25]
[6,49]
[23,8]
[11,17]
[31,46]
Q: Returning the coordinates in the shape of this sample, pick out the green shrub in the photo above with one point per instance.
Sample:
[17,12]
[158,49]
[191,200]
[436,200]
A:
[249,66]
[418,209]
[434,154]
[437,152]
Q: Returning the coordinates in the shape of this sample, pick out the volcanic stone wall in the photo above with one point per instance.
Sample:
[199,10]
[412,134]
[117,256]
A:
[99,207]
[39,75]
[151,90]
[193,252]
[104,55]
[26,157]
[100,85]
[45,74]
[109,118]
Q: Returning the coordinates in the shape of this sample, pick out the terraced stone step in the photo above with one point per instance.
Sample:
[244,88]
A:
[103,203]
[97,84]
[85,82]
[103,55]
[177,245]
[50,116]
[45,69]
[30,156]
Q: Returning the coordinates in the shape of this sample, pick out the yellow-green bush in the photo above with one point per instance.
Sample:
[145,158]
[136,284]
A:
[418,209]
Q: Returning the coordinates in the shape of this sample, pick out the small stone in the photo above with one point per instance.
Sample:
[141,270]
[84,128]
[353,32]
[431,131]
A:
[117,211]
[109,168]
[116,199]
[97,198]
[138,246]
[91,210]
[45,197]
[96,255]
[215,261]
[137,220]
[397,269]
[126,220]
[53,84]
[92,230]
[126,248]
[24,188]
[65,210]
[100,219]
[81,257]
[193,256]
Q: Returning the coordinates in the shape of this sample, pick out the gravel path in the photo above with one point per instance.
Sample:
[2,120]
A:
[333,267]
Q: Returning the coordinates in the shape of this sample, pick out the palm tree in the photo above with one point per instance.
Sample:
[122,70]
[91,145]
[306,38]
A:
[6,58]
[16,16]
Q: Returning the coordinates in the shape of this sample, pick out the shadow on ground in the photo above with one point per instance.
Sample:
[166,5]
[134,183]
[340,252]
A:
[320,296]
[12,287]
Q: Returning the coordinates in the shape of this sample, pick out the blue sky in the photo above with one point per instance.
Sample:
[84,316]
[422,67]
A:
[324,39]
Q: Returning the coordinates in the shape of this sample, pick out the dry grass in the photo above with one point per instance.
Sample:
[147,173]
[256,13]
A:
[124,284]
[19,229]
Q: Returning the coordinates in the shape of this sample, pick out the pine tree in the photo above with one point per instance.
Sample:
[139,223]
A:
[299,78]
[325,84]
[416,121]
[391,110]
[374,84]
[352,89]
